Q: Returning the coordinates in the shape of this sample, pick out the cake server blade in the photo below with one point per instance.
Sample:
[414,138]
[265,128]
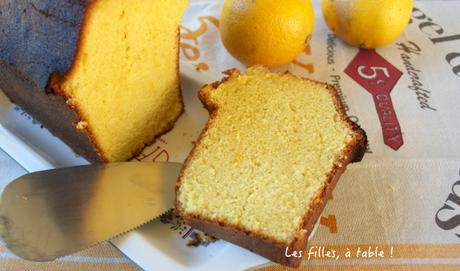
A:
[49,214]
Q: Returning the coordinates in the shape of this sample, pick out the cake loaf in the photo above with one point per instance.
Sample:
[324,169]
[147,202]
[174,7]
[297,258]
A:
[102,75]
[271,153]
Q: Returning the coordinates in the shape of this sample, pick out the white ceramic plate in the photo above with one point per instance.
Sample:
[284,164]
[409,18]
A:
[157,245]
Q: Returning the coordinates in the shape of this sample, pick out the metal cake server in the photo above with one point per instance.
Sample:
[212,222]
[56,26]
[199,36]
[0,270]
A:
[49,214]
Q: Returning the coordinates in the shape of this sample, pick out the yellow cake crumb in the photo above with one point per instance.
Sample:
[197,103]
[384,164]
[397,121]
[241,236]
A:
[124,79]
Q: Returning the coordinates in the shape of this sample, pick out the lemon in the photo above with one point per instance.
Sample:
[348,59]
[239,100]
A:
[266,32]
[367,23]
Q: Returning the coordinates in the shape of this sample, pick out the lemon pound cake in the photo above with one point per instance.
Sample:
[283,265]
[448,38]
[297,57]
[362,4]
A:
[264,166]
[102,74]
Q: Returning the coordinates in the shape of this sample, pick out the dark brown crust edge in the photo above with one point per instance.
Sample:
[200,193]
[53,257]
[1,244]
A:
[51,110]
[257,242]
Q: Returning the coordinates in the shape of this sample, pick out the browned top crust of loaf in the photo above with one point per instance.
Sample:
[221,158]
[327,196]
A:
[257,241]
[41,37]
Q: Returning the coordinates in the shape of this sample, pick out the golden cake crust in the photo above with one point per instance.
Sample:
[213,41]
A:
[257,241]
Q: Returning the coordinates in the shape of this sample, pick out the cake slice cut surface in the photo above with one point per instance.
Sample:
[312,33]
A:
[272,150]
[124,79]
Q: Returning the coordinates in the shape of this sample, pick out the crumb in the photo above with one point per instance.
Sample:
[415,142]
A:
[81,125]
[70,102]
[201,67]
[170,217]
[167,217]
[201,238]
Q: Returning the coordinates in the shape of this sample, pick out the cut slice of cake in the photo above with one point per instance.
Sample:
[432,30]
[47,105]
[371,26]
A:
[271,153]
[110,68]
